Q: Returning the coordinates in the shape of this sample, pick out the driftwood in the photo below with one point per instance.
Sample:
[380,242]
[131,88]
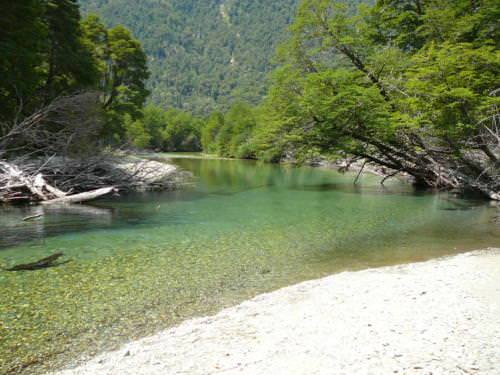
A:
[14,181]
[16,185]
[56,153]
[47,179]
[82,197]
[39,264]
[32,217]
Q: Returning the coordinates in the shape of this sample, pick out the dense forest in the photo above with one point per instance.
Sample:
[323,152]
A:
[70,90]
[203,54]
[408,85]
[411,86]
[48,52]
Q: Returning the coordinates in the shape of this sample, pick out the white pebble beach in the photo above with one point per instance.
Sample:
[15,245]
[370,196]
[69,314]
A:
[437,317]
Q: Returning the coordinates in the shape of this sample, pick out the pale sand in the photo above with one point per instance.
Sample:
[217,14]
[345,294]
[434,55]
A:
[437,317]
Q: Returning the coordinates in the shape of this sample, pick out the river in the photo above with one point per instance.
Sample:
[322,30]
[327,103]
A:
[143,262]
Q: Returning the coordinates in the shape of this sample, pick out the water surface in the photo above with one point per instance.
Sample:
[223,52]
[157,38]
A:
[143,262]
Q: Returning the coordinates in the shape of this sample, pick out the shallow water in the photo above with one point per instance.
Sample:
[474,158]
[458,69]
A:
[143,262]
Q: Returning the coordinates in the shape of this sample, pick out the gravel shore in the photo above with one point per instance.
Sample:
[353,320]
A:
[437,317]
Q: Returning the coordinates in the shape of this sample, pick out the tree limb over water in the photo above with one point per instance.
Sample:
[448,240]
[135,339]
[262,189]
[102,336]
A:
[399,96]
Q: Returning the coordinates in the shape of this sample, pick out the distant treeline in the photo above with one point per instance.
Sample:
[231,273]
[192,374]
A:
[225,134]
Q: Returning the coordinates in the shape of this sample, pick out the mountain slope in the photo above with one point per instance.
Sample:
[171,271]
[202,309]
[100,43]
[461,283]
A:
[203,54]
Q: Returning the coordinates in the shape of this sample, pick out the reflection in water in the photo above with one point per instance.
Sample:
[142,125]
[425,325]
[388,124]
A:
[146,261]
[53,220]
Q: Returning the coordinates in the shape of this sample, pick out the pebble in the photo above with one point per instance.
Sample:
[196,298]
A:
[269,334]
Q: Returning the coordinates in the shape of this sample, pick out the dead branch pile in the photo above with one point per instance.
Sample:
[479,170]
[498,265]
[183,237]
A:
[59,180]
[54,156]
[68,126]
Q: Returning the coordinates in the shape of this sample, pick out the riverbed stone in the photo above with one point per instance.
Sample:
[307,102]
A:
[321,327]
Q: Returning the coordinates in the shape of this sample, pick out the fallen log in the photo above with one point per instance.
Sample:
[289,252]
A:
[47,180]
[41,184]
[82,197]
[39,264]
[33,217]
[16,179]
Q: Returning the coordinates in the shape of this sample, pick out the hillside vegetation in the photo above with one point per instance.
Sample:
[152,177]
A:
[203,54]
[408,85]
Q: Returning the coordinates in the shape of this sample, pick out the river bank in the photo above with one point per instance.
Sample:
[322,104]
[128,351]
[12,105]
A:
[60,179]
[355,167]
[439,316]
[143,263]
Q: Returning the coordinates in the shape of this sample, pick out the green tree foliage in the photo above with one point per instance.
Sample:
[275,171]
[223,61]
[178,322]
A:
[42,54]
[47,51]
[203,54]
[127,71]
[182,132]
[234,136]
[136,133]
[123,72]
[210,131]
[406,84]
[155,120]
[161,130]
[22,34]
[230,134]
[398,22]
[68,62]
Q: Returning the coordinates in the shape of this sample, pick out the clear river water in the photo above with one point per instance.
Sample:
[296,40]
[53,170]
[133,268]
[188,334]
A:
[143,262]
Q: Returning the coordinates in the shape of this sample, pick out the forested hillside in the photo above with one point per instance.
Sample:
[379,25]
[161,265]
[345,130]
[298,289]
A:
[411,86]
[203,54]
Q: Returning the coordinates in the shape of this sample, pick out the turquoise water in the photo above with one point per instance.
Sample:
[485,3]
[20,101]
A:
[143,262]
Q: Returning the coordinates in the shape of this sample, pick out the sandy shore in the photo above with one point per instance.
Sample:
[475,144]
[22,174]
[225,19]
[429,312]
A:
[437,317]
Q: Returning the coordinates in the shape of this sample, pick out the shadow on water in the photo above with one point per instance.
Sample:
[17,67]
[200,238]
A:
[52,221]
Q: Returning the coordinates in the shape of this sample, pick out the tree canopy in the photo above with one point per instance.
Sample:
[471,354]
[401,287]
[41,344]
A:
[48,51]
[410,85]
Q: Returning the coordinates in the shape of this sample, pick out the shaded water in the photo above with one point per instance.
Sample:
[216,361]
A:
[146,261]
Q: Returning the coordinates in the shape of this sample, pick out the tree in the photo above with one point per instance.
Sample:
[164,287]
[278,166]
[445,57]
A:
[95,35]
[136,133]
[69,63]
[22,34]
[182,132]
[128,71]
[123,69]
[396,85]
[210,131]
[48,52]
[155,121]
[239,122]
[42,55]
[397,22]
